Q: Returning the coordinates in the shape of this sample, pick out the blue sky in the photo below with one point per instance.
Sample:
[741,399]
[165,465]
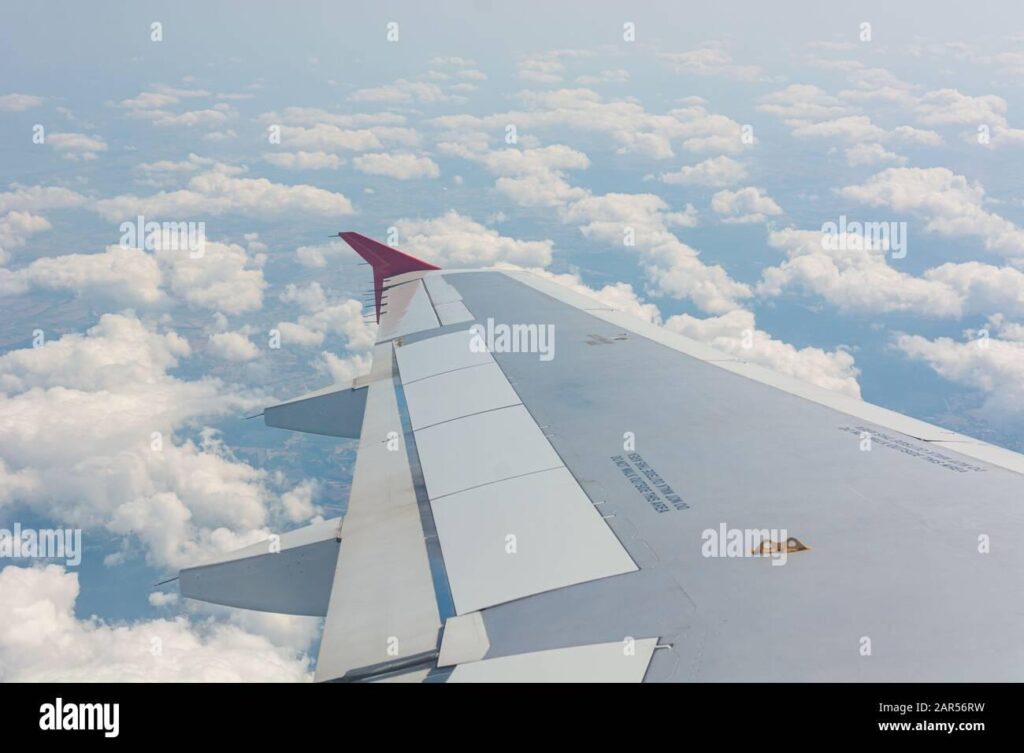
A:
[721,138]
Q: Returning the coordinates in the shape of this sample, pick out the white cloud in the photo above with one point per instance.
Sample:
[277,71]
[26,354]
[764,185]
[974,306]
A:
[619,295]
[736,333]
[17,227]
[402,91]
[76,146]
[852,279]
[207,118]
[745,205]
[530,177]
[398,166]
[298,502]
[949,204]
[949,106]
[161,96]
[454,241]
[992,366]
[802,103]
[42,640]
[850,128]
[672,267]
[215,193]
[548,67]
[860,280]
[150,106]
[872,154]
[716,172]
[711,60]
[326,137]
[192,164]
[225,278]
[305,160]
[610,76]
[625,122]
[918,136]
[87,432]
[34,198]
[541,70]
[19,102]
[122,276]
[344,370]
[334,318]
[232,346]
[310,297]
[317,257]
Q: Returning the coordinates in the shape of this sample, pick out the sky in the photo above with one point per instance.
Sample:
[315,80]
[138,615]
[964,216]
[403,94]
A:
[682,163]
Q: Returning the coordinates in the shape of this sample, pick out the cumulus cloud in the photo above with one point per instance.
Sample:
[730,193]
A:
[76,146]
[19,102]
[949,203]
[344,369]
[343,318]
[402,91]
[530,177]
[17,227]
[853,279]
[151,105]
[232,346]
[215,193]
[548,67]
[329,138]
[310,297]
[454,240]
[802,103]
[859,279]
[318,256]
[992,366]
[125,276]
[850,128]
[745,205]
[673,267]
[89,429]
[305,160]
[812,113]
[711,60]
[872,154]
[736,333]
[609,76]
[716,172]
[35,198]
[625,122]
[42,640]
[402,166]
[225,278]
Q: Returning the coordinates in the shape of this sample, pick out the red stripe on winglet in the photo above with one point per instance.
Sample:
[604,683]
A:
[386,261]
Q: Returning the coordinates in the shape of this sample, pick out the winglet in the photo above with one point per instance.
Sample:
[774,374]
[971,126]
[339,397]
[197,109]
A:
[386,261]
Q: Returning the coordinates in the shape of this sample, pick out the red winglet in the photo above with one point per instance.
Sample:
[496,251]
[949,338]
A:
[386,261]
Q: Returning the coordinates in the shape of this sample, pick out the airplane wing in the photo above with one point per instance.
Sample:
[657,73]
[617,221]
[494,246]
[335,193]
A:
[550,489]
